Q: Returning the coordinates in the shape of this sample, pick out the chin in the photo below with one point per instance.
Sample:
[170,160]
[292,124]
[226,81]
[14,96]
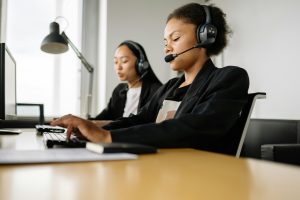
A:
[175,67]
[122,79]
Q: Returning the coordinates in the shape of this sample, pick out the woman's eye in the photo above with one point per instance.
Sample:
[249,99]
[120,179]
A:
[176,39]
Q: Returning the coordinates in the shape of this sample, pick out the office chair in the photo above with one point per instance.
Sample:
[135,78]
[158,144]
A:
[243,122]
[283,153]
[269,131]
[286,148]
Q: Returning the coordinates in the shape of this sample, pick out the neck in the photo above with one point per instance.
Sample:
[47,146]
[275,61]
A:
[191,73]
[135,83]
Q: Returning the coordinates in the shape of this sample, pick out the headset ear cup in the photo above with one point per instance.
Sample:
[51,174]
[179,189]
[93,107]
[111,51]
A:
[206,34]
[143,67]
[141,64]
[202,34]
[137,67]
[211,33]
[198,35]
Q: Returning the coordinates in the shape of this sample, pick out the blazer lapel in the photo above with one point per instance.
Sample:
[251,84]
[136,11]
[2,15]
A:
[198,86]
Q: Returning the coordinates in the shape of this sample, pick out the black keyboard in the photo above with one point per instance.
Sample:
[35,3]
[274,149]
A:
[52,140]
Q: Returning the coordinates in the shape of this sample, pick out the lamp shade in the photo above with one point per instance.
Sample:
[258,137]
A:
[54,43]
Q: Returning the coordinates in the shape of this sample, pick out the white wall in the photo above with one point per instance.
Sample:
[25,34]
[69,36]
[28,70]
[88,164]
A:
[142,21]
[3,4]
[266,41]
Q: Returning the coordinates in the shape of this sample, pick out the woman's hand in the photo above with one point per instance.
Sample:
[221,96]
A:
[83,127]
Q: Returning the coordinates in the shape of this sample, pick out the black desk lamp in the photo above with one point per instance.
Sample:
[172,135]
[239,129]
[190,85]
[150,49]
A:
[57,43]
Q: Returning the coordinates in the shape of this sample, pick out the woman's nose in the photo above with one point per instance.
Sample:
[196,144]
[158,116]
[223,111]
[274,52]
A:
[168,48]
[118,66]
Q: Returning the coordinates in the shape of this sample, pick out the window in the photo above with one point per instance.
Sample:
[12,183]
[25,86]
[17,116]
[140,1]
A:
[53,80]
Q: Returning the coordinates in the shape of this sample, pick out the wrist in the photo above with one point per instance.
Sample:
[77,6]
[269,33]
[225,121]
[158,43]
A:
[103,136]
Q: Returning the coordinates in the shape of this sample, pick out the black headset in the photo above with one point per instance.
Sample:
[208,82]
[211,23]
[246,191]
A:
[141,65]
[206,33]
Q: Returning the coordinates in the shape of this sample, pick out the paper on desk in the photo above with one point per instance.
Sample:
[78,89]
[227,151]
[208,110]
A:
[9,156]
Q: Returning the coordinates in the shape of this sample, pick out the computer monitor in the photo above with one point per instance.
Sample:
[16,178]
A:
[7,84]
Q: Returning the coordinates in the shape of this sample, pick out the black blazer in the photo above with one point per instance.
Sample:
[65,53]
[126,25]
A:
[116,105]
[209,109]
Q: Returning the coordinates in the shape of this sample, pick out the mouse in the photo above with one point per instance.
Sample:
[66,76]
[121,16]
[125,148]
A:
[10,132]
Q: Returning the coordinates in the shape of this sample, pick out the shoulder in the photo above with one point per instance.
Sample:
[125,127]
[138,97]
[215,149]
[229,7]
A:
[151,84]
[120,87]
[231,71]
[230,76]
[150,87]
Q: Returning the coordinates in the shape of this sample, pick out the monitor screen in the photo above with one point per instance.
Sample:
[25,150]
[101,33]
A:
[7,84]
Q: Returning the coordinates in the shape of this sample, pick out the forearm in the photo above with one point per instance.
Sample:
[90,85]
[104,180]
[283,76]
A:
[191,131]
[101,123]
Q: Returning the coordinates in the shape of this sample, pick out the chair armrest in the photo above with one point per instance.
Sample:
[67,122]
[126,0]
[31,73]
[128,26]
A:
[285,153]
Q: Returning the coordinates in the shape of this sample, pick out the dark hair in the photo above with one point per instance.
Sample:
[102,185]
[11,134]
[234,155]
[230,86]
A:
[150,76]
[194,13]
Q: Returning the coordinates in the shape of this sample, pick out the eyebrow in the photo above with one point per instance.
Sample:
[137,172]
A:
[122,57]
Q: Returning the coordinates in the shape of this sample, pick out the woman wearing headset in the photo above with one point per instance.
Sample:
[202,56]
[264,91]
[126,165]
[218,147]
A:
[196,110]
[131,65]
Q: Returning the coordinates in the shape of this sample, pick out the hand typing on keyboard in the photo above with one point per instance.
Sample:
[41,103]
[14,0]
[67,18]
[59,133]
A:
[82,128]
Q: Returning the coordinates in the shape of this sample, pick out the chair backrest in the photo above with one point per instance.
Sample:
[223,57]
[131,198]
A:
[243,121]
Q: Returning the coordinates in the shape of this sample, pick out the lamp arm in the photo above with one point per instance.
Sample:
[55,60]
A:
[79,55]
[89,68]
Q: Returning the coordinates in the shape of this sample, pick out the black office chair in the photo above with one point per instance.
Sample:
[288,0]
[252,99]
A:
[284,144]
[284,153]
[241,127]
[269,131]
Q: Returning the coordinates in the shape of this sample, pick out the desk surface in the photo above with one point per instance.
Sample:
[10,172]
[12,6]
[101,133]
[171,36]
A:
[170,174]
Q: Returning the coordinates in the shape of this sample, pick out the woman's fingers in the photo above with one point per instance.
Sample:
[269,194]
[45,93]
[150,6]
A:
[67,121]
[83,128]
[63,121]
[69,132]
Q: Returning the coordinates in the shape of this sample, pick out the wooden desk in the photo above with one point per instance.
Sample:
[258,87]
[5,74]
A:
[171,174]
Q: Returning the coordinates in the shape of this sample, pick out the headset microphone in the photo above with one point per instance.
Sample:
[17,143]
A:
[171,57]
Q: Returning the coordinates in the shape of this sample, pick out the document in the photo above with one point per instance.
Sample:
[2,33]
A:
[9,156]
